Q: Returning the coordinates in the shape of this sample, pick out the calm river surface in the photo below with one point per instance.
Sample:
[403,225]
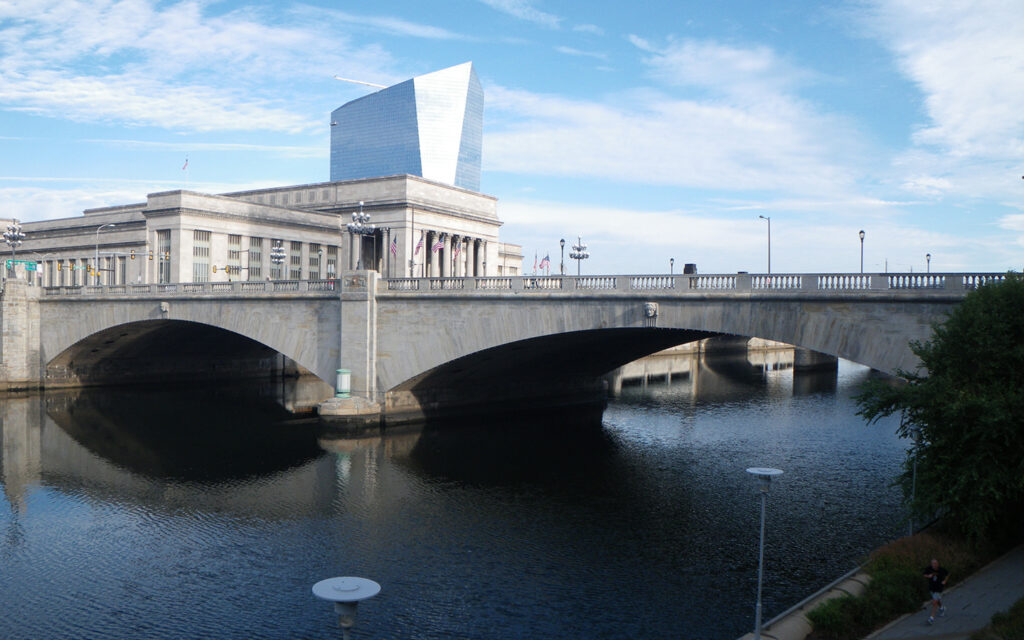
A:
[208,514]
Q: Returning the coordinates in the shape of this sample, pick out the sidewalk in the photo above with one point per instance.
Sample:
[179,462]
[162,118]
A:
[969,604]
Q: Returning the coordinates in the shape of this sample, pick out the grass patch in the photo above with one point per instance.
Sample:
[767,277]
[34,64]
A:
[897,585]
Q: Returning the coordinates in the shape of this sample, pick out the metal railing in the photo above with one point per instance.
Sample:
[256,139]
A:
[704,284]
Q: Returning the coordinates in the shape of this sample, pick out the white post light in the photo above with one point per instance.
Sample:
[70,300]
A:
[345,593]
[765,475]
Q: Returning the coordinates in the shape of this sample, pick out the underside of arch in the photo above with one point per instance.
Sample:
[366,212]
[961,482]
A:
[162,350]
[563,368]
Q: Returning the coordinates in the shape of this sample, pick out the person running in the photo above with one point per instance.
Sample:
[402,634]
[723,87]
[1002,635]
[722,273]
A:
[937,577]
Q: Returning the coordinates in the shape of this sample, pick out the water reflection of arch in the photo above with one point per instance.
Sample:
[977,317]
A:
[80,448]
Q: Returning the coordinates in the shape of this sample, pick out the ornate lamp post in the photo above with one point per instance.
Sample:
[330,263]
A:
[277,254]
[360,225]
[861,234]
[769,242]
[928,260]
[671,266]
[765,475]
[579,253]
[13,237]
[561,270]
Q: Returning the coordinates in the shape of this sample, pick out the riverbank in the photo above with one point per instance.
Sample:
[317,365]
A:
[970,605]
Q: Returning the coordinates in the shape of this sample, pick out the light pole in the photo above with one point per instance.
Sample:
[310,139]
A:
[928,260]
[765,475]
[277,255]
[561,269]
[13,237]
[671,266]
[96,261]
[861,234]
[579,253]
[360,226]
[769,242]
[346,593]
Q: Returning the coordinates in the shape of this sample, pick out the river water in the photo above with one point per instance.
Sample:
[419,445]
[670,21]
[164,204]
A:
[210,513]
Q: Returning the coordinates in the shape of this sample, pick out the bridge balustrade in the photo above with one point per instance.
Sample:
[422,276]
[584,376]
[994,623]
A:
[680,284]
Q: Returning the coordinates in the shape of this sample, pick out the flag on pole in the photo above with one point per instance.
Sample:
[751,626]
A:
[419,245]
[437,246]
[545,263]
[534,263]
[185,166]
[458,248]
[394,246]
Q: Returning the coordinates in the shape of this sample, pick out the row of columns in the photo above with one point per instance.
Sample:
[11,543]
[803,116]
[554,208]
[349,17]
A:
[459,256]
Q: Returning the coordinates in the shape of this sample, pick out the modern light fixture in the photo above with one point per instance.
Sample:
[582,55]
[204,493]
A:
[579,253]
[765,475]
[346,593]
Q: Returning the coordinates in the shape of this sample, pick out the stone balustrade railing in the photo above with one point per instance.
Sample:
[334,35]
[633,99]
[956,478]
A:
[677,284]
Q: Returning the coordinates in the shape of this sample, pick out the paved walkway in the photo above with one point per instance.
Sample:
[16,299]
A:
[969,604]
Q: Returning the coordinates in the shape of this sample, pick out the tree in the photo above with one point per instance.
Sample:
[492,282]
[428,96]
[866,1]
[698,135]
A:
[967,400]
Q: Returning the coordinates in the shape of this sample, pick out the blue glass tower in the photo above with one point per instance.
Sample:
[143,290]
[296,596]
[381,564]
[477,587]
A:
[430,126]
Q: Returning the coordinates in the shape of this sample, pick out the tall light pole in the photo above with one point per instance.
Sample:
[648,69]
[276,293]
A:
[561,243]
[579,253]
[96,261]
[671,266]
[769,242]
[861,234]
[360,226]
[13,237]
[928,260]
[765,475]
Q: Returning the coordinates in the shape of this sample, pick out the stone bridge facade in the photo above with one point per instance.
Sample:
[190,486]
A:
[418,345]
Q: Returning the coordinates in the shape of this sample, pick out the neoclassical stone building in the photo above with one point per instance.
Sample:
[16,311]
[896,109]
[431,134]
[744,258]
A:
[420,228]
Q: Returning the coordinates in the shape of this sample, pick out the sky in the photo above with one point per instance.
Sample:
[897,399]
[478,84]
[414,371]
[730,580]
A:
[654,131]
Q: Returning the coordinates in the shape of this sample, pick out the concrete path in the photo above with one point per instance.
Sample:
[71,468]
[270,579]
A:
[969,604]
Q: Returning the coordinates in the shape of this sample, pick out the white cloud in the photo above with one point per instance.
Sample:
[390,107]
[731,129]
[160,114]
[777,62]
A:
[968,61]
[569,51]
[285,151]
[589,28]
[524,10]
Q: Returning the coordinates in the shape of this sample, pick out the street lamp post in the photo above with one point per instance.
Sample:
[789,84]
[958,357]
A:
[861,234]
[671,266]
[13,237]
[277,255]
[360,226]
[765,475]
[346,593]
[96,260]
[769,242]
[579,253]
[561,269]
[928,260]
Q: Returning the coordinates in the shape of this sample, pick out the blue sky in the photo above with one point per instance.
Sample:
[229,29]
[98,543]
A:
[655,130]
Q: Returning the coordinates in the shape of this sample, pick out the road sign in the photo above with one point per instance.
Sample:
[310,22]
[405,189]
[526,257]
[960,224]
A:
[30,265]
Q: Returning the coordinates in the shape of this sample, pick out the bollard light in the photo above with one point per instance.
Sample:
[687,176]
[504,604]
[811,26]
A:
[344,383]
[765,475]
[346,593]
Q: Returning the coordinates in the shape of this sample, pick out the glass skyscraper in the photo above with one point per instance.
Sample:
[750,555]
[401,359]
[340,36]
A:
[430,126]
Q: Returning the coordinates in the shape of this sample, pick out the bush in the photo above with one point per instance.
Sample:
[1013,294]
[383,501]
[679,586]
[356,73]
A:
[896,586]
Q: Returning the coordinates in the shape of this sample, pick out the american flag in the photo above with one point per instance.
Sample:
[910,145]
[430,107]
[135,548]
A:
[437,246]
[185,166]
[394,246]
[419,245]
[457,249]
[545,263]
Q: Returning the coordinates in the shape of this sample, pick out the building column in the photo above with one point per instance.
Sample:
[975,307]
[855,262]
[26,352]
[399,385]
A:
[479,255]
[446,257]
[470,257]
[386,264]
[456,259]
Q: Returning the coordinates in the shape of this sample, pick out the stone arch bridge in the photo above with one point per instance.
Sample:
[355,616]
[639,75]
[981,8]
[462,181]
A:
[418,347]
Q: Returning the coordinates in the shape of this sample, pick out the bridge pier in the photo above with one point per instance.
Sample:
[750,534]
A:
[808,360]
[19,333]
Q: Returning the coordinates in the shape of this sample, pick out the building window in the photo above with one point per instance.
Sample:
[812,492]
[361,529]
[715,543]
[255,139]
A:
[311,196]
[200,256]
[50,268]
[122,270]
[163,257]
[255,269]
[325,195]
[234,255]
[315,256]
[276,269]
[284,198]
[295,262]
[332,262]
[74,272]
[109,277]
[273,199]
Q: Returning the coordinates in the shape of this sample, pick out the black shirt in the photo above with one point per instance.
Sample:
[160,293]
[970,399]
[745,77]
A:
[935,578]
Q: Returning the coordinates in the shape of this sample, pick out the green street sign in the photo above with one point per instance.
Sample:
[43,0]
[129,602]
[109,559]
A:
[30,265]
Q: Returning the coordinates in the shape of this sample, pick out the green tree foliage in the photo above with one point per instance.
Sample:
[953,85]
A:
[968,402]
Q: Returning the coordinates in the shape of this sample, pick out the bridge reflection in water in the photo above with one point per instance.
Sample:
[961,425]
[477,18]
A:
[192,513]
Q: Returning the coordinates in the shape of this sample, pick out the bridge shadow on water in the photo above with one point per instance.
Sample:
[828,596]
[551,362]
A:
[186,431]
